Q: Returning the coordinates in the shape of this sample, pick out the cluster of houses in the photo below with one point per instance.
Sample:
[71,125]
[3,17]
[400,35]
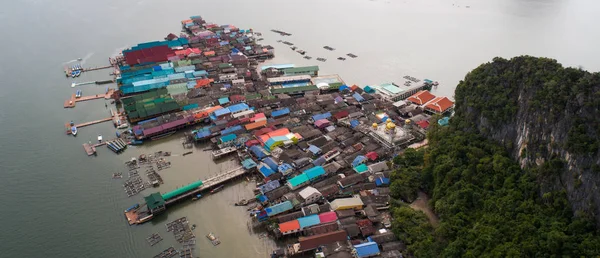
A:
[321,147]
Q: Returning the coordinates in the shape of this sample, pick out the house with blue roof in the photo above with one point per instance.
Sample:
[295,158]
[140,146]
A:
[309,221]
[358,97]
[368,249]
[280,112]
[265,170]
[271,163]
[321,116]
[259,152]
[238,108]
[285,169]
[314,150]
[220,113]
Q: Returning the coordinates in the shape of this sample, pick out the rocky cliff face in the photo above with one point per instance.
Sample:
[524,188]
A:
[546,116]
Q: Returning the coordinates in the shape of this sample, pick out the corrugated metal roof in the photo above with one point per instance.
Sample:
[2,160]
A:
[329,216]
[279,208]
[309,221]
[298,180]
[366,249]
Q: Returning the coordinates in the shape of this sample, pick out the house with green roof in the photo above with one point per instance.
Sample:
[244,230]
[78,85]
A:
[298,181]
[303,70]
[155,203]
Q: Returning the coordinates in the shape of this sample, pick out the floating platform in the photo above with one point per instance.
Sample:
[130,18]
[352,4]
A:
[217,154]
[70,103]
[90,149]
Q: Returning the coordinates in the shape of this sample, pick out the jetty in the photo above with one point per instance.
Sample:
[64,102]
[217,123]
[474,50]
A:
[209,184]
[157,203]
[75,84]
[68,70]
[111,118]
[70,103]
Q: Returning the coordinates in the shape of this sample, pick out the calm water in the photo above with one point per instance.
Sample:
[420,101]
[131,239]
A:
[59,203]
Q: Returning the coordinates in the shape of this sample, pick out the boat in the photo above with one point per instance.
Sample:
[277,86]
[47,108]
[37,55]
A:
[302,52]
[193,226]
[73,73]
[79,59]
[187,153]
[293,48]
[219,188]
[197,197]
[136,142]
[214,239]
[72,123]
[74,130]
[164,135]
[123,126]
[341,58]
[133,207]
[78,94]
[77,73]
[99,138]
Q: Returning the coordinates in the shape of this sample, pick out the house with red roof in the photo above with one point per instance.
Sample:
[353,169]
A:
[421,97]
[439,105]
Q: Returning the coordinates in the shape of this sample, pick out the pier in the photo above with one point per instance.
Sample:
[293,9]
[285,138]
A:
[70,103]
[210,183]
[139,215]
[111,118]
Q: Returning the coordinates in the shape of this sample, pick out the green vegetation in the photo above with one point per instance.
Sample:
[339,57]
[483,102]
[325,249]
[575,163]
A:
[406,180]
[537,91]
[488,206]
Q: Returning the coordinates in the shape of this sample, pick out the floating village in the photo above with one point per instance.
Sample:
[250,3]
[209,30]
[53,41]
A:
[320,149]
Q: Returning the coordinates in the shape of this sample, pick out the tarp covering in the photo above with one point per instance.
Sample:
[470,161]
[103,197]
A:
[269,186]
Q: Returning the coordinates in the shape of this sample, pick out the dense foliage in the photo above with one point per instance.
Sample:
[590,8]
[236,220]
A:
[537,92]
[406,180]
[488,206]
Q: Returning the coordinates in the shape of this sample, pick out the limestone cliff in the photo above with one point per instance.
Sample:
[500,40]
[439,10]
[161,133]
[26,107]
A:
[546,116]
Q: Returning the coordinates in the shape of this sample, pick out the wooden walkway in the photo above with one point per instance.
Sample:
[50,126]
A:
[211,183]
[68,125]
[70,103]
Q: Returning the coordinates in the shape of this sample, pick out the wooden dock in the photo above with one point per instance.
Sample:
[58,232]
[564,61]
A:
[68,125]
[97,68]
[70,103]
[90,149]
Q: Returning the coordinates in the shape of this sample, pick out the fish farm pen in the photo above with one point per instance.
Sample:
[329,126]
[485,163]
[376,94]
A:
[319,147]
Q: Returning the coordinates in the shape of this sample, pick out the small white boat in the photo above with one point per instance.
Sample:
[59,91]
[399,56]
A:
[79,59]
[99,138]
[74,130]
[123,126]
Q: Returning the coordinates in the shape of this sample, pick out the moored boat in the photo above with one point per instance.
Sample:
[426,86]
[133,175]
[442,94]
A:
[74,130]
[219,188]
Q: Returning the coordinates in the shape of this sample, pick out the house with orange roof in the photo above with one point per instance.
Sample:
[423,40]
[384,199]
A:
[439,105]
[289,227]
[421,97]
